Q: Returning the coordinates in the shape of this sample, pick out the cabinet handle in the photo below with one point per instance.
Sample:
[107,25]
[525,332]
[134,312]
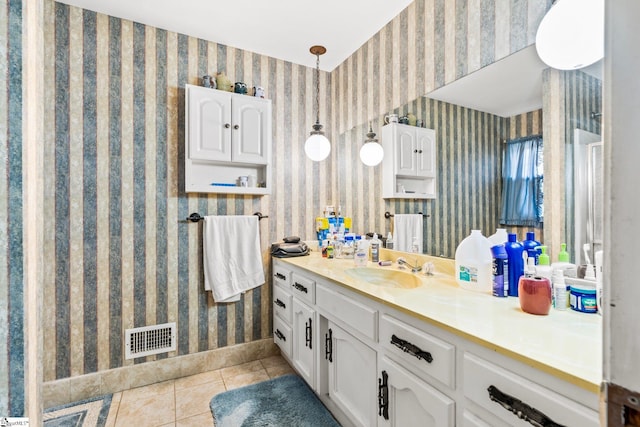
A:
[279,335]
[308,334]
[280,303]
[383,396]
[328,346]
[236,127]
[300,287]
[413,350]
[227,125]
[280,276]
[521,409]
[415,150]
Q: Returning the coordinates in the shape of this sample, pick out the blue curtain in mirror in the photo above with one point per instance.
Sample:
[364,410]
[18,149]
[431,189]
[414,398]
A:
[522,179]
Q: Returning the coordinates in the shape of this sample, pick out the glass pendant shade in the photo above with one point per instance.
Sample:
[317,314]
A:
[371,153]
[571,34]
[317,147]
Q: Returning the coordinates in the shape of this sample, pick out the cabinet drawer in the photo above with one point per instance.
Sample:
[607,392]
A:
[282,336]
[282,303]
[303,288]
[281,274]
[353,314]
[520,395]
[413,348]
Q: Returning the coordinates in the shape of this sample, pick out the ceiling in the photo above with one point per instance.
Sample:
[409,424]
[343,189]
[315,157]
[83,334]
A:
[283,29]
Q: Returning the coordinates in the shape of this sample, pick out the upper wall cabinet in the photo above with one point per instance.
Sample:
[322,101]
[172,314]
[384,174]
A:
[409,165]
[228,136]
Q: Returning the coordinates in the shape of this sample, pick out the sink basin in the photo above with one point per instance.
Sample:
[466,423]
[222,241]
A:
[386,278]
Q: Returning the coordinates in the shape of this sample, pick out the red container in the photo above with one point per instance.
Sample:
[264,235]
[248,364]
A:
[535,295]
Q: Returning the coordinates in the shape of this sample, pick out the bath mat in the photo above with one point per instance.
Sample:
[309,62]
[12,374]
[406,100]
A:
[280,402]
[86,413]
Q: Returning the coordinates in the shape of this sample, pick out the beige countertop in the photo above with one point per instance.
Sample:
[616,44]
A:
[566,344]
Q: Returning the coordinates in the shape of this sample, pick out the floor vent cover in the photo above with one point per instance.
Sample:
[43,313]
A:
[149,340]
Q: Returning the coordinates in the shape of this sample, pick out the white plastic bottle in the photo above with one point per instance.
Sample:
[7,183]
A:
[474,263]
[375,248]
[499,237]
[389,241]
[361,256]
[415,245]
[560,300]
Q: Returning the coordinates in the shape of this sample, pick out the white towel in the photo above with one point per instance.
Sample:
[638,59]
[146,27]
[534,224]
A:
[232,260]
[406,227]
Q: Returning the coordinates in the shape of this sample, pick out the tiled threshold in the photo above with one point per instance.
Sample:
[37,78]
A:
[81,387]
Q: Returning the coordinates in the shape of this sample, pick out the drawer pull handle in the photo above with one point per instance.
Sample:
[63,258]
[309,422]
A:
[280,335]
[413,350]
[300,287]
[328,346]
[280,276]
[280,303]
[521,409]
[308,334]
[383,396]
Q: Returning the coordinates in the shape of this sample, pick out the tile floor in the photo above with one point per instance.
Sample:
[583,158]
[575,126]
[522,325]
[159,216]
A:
[185,402]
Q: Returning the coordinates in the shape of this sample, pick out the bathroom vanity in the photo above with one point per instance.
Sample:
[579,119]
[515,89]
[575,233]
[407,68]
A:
[378,353]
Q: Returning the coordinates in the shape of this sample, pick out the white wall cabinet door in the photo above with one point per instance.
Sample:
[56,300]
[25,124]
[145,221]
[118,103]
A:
[405,152]
[250,130]
[304,329]
[426,152]
[352,377]
[407,401]
[209,124]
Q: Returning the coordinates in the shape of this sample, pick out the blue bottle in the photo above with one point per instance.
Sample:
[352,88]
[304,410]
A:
[516,263]
[500,271]
[530,244]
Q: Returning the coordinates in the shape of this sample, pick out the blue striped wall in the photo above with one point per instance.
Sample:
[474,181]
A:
[120,257]
[12,393]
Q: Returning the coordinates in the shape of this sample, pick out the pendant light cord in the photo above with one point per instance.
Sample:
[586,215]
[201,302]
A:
[317,89]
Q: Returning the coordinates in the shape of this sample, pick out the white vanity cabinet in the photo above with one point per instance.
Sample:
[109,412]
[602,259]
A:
[303,354]
[227,135]
[409,164]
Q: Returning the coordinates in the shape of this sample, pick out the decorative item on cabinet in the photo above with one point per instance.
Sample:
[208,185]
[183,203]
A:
[409,165]
[228,136]
[223,82]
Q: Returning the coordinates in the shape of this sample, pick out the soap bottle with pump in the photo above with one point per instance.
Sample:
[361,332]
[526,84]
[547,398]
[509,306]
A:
[531,245]
[516,263]
[568,269]
[543,269]
[389,241]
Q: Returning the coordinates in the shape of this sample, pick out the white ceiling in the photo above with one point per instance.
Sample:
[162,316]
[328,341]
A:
[283,29]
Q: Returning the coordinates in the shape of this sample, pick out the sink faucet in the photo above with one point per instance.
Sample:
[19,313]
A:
[414,269]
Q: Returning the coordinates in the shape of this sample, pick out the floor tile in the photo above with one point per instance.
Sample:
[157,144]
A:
[150,410]
[246,379]
[278,371]
[244,368]
[153,389]
[203,378]
[195,400]
[113,410]
[273,361]
[196,421]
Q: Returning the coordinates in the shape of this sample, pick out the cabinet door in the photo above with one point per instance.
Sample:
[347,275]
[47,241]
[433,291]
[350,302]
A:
[411,402]
[209,124]
[405,155]
[304,328]
[251,128]
[352,377]
[426,155]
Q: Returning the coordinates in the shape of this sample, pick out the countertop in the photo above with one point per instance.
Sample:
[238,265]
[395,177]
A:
[566,344]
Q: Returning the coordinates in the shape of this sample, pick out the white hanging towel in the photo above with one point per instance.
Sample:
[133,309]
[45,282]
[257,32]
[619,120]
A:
[232,260]
[406,226]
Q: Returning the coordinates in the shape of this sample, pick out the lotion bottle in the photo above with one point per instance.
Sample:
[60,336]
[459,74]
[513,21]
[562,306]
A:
[516,263]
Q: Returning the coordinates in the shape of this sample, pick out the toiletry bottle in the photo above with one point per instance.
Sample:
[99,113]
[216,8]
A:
[375,248]
[500,271]
[361,255]
[516,263]
[560,301]
[568,269]
[389,241]
[531,245]
[330,250]
[415,246]
[474,263]
[500,237]
[543,269]
[530,268]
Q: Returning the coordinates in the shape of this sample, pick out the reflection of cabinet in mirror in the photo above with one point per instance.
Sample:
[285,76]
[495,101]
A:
[409,165]
[227,136]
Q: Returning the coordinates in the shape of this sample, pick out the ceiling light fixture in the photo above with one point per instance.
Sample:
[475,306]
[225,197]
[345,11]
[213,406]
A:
[371,153]
[317,147]
[571,34]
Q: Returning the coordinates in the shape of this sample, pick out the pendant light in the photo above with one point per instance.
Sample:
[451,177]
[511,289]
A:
[371,153]
[571,34]
[317,147]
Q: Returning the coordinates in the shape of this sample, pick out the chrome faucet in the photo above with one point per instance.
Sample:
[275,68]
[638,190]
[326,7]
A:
[414,269]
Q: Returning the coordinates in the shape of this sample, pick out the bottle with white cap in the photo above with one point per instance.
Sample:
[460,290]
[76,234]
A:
[560,297]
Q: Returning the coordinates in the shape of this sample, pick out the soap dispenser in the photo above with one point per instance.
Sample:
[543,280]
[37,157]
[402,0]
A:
[543,269]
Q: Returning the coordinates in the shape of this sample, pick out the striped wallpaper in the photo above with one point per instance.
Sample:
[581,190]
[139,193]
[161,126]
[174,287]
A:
[12,357]
[120,256]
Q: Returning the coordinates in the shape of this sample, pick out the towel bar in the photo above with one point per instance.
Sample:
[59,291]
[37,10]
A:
[195,217]
[390,215]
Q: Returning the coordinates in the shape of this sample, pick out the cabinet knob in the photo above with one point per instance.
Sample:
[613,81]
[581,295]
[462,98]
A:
[227,125]
[415,151]
[236,127]
[419,151]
